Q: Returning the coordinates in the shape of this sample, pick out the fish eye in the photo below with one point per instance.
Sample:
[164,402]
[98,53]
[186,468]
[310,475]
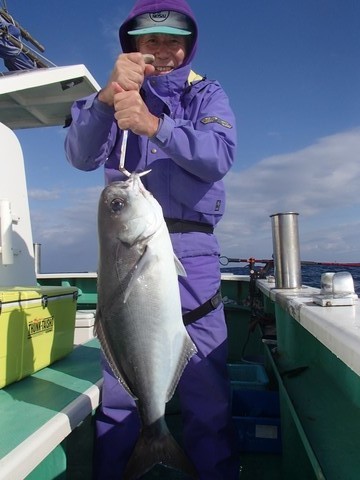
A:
[117,205]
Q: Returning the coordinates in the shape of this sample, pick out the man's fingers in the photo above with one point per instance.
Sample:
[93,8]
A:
[148,58]
[116,87]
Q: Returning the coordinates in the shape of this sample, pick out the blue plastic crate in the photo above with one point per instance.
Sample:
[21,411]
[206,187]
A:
[247,376]
[256,415]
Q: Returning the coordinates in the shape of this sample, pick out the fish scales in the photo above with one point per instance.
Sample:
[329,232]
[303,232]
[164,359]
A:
[138,319]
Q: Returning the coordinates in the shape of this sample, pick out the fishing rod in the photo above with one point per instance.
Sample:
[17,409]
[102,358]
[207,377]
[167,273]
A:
[24,33]
[25,50]
[226,260]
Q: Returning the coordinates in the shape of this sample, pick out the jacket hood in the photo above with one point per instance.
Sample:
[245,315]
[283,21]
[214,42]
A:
[151,6]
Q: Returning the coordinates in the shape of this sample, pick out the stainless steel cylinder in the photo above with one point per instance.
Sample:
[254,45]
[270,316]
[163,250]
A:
[37,257]
[287,264]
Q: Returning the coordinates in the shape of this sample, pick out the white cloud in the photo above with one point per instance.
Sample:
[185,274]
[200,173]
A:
[37,194]
[68,234]
[319,182]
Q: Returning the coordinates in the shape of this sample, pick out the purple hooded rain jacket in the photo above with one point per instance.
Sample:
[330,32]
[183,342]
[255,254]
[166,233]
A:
[189,155]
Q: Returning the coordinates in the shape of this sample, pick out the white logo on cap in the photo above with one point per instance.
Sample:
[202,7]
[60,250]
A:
[159,16]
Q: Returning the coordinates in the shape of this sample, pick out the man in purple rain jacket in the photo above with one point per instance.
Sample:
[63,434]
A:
[180,126]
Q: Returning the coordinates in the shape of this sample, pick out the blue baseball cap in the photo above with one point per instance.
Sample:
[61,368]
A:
[169,22]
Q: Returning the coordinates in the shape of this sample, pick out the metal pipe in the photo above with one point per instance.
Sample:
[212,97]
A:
[287,264]
[37,257]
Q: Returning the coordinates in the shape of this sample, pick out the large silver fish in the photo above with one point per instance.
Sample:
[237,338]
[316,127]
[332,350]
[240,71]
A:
[138,320]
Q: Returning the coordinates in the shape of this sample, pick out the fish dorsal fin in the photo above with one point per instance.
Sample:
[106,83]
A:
[180,270]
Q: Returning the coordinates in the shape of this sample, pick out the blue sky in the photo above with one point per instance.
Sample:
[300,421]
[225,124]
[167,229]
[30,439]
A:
[291,70]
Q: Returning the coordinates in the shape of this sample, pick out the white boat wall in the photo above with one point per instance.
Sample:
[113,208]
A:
[17,253]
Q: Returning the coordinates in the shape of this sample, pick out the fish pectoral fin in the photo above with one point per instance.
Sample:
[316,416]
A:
[140,268]
[180,270]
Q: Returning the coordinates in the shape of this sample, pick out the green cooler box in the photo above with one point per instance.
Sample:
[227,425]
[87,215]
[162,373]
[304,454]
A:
[36,328]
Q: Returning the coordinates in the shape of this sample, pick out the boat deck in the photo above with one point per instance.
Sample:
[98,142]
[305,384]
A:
[40,411]
[255,466]
[49,424]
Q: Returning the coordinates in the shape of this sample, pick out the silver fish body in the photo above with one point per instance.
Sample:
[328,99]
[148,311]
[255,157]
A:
[139,320]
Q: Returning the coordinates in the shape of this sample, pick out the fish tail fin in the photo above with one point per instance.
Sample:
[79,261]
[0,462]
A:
[164,450]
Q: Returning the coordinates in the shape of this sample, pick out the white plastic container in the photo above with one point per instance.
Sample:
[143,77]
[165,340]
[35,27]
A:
[84,326]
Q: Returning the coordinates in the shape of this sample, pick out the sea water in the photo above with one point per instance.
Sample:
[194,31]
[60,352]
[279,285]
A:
[310,274]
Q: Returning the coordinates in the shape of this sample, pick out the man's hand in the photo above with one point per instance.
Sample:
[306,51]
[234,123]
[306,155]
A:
[129,72]
[131,113]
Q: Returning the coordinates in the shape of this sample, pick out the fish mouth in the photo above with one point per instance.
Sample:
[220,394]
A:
[135,183]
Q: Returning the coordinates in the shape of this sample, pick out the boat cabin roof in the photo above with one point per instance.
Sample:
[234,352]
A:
[42,97]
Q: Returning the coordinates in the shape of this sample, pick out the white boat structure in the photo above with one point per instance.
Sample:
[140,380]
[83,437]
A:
[305,340]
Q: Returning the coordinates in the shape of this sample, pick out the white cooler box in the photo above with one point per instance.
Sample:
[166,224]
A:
[84,326]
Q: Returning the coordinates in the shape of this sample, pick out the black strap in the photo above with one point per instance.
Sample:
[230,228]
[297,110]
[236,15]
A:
[203,309]
[175,225]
